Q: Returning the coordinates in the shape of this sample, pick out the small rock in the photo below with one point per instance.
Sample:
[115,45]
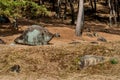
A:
[94,42]
[1,41]
[106,30]
[95,34]
[13,44]
[57,35]
[90,35]
[89,60]
[89,30]
[15,68]
[102,39]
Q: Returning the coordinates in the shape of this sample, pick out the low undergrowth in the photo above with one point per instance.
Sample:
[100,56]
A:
[54,60]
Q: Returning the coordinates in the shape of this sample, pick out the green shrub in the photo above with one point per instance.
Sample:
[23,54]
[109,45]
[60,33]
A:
[114,61]
[21,8]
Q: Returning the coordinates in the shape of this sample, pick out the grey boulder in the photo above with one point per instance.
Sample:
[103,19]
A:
[90,60]
[35,35]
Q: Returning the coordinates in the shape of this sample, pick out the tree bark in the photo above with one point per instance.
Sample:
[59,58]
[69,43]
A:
[112,12]
[91,3]
[117,10]
[80,19]
[72,12]
[95,6]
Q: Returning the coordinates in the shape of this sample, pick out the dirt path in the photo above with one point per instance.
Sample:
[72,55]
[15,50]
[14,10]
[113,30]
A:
[34,53]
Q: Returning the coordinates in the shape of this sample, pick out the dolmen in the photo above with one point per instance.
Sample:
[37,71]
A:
[35,35]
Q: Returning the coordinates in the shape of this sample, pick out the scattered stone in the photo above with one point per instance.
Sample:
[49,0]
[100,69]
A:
[35,35]
[94,42]
[95,34]
[90,35]
[102,39]
[13,44]
[57,35]
[1,41]
[90,60]
[88,30]
[15,68]
[106,30]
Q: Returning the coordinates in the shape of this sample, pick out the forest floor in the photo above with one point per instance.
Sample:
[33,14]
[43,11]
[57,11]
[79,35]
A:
[59,59]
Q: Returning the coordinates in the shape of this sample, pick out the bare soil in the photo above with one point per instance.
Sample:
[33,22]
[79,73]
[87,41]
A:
[59,60]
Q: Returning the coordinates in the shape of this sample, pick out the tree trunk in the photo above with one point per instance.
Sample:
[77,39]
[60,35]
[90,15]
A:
[95,6]
[72,12]
[80,19]
[117,10]
[112,13]
[106,2]
[65,10]
[91,5]
[58,8]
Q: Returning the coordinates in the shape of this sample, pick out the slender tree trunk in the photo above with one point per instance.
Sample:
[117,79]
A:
[91,5]
[53,6]
[106,2]
[58,10]
[112,12]
[117,10]
[95,6]
[65,10]
[80,19]
[72,12]
[110,16]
